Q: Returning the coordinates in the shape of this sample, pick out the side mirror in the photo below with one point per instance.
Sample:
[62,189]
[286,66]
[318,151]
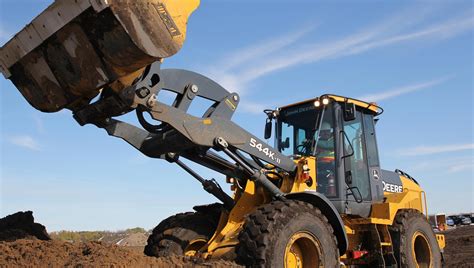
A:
[268,129]
[349,111]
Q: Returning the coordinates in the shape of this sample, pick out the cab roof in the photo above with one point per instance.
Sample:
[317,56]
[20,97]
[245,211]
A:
[371,106]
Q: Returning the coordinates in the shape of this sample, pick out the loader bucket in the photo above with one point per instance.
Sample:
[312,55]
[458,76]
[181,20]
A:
[76,47]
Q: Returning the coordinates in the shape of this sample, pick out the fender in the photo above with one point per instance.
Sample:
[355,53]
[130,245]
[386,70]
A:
[327,208]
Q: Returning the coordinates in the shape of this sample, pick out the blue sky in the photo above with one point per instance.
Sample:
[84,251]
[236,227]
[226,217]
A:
[414,58]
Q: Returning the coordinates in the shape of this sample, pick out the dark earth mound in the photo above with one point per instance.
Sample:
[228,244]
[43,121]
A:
[21,225]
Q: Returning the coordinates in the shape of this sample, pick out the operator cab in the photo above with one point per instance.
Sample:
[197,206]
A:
[339,133]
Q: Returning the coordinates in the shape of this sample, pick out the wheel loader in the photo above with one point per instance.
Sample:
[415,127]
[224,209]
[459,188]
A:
[316,198]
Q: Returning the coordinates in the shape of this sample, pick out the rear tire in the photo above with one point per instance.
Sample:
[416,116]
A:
[285,234]
[414,242]
[181,234]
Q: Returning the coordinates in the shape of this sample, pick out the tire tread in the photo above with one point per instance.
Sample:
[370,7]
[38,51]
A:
[258,228]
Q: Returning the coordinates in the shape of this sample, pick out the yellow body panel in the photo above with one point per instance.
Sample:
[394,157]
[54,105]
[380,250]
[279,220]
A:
[230,224]
[299,184]
[412,197]
[248,199]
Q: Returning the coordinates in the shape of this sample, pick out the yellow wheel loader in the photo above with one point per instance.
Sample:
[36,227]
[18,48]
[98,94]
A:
[317,198]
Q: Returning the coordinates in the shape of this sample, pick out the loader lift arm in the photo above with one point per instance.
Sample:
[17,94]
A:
[182,134]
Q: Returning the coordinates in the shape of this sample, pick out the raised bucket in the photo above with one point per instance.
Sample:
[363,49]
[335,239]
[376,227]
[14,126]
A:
[75,47]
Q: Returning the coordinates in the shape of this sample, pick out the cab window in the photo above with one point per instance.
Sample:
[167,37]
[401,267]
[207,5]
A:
[325,156]
[286,142]
[357,163]
[371,144]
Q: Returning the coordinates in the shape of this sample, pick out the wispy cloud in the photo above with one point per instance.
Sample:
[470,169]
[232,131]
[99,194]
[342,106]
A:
[262,49]
[436,32]
[462,166]
[239,70]
[304,55]
[225,70]
[25,141]
[394,92]
[253,107]
[444,165]
[427,150]
[355,44]
[257,108]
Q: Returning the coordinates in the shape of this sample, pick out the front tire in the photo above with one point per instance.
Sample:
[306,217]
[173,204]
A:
[414,242]
[287,233]
[181,235]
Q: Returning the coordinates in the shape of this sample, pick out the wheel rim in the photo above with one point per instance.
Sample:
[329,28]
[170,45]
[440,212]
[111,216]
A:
[194,246]
[421,250]
[302,250]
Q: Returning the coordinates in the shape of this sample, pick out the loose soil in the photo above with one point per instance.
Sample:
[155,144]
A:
[24,243]
[459,251]
[38,253]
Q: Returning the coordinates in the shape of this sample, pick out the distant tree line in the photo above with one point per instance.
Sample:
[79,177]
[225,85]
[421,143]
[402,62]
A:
[86,236]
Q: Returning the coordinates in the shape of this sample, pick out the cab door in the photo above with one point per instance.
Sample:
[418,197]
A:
[361,164]
[373,162]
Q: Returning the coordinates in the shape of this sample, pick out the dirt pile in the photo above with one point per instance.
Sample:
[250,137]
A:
[459,251]
[37,253]
[24,243]
[21,225]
